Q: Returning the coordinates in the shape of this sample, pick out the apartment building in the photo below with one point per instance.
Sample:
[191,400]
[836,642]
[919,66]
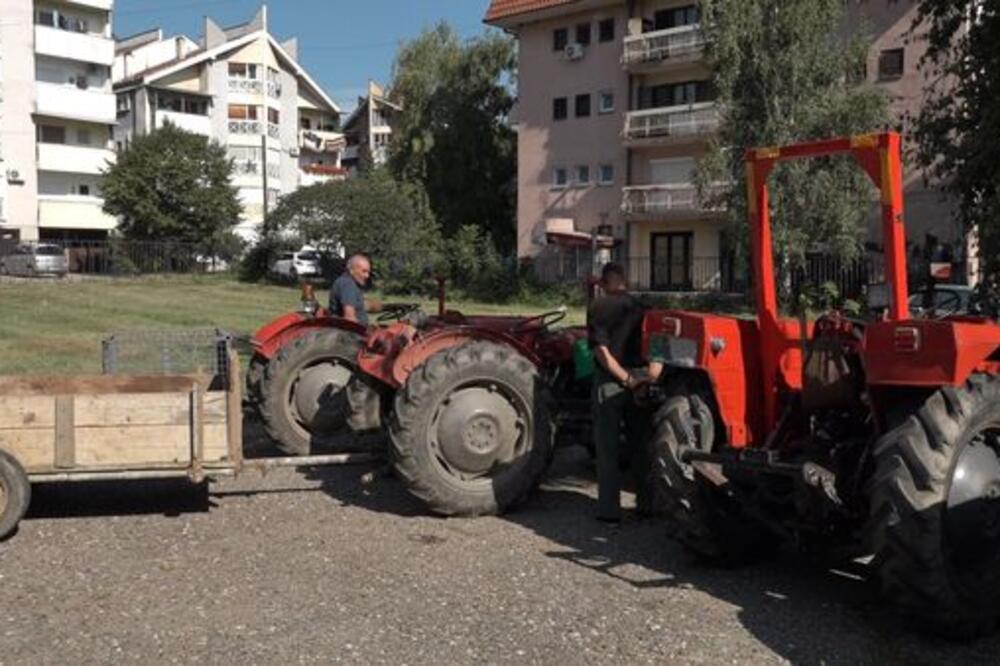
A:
[57,112]
[368,129]
[616,107]
[243,88]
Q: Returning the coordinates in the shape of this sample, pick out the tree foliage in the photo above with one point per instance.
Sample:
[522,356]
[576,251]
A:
[959,124]
[453,134]
[784,73]
[173,185]
[387,220]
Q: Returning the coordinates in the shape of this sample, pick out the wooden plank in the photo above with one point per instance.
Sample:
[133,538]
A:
[197,427]
[216,442]
[216,405]
[100,384]
[128,409]
[234,411]
[21,412]
[65,445]
[34,449]
[133,445]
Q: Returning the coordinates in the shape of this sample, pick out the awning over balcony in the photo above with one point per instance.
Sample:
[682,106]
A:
[562,231]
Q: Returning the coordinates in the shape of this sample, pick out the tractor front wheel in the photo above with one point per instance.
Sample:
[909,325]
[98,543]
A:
[471,430]
[700,515]
[935,510]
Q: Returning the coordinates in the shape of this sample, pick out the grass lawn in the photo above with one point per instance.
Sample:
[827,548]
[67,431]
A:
[55,327]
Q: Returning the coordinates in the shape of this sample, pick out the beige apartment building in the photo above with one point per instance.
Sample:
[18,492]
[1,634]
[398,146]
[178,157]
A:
[57,111]
[243,88]
[368,129]
[616,106]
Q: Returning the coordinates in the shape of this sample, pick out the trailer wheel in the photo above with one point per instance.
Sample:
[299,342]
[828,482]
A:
[15,494]
[304,402]
[472,431]
[700,515]
[935,510]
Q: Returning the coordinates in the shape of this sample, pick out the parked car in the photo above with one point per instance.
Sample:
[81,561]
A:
[294,265]
[30,260]
[948,299]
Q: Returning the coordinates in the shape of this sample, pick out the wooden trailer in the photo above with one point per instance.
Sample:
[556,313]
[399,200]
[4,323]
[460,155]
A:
[106,427]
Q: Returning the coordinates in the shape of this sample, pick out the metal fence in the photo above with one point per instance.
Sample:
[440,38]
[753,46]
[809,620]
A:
[117,257]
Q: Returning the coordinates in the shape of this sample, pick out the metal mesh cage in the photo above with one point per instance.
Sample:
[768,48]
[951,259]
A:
[167,352]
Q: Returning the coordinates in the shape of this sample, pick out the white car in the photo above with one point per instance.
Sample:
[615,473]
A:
[30,260]
[295,265]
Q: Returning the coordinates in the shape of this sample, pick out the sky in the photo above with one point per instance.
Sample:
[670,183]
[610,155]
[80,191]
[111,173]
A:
[342,43]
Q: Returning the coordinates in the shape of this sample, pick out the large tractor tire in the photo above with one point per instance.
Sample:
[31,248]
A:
[700,514]
[303,395]
[472,431]
[935,510]
[15,494]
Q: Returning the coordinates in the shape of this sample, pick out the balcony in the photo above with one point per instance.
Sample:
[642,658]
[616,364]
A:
[247,168]
[69,45]
[59,101]
[186,121]
[666,201]
[318,141]
[73,212]
[246,127]
[103,5]
[662,48]
[671,124]
[246,86]
[73,159]
[273,131]
[312,174]
[274,89]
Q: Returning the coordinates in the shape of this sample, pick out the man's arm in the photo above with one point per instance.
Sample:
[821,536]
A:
[372,305]
[606,360]
[350,313]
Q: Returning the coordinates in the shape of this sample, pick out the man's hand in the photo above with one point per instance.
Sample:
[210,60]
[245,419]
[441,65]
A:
[373,305]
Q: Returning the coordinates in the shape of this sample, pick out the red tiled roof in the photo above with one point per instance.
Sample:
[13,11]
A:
[501,9]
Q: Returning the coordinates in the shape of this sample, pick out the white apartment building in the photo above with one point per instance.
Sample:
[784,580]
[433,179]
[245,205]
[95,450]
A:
[243,88]
[368,129]
[57,112]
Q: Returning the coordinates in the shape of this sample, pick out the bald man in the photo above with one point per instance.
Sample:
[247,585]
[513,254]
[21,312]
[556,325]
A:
[346,297]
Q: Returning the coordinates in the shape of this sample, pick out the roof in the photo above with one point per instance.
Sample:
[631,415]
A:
[502,9]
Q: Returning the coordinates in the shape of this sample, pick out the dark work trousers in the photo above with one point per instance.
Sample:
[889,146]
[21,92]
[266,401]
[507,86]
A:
[614,415]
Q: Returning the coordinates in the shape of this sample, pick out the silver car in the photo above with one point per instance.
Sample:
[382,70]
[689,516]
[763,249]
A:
[30,260]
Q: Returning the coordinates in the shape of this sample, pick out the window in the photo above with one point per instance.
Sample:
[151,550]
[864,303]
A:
[242,112]
[676,94]
[560,108]
[52,134]
[83,190]
[606,30]
[583,175]
[47,17]
[583,34]
[891,64]
[582,106]
[559,177]
[560,38]
[242,70]
[606,103]
[197,107]
[305,123]
[606,174]
[273,116]
[83,137]
[676,17]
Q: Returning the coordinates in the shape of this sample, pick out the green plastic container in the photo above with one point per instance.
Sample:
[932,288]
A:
[583,359]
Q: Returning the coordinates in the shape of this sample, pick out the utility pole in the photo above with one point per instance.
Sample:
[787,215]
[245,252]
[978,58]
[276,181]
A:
[263,153]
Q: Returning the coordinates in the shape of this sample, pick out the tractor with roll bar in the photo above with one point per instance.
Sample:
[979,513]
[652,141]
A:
[844,437]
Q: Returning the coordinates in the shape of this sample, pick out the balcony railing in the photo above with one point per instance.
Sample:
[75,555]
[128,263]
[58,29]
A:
[273,131]
[274,89]
[669,122]
[246,167]
[248,86]
[245,127]
[686,42]
[273,170]
[320,141]
[664,199]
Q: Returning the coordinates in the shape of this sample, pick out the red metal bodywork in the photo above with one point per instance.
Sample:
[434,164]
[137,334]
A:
[277,333]
[751,363]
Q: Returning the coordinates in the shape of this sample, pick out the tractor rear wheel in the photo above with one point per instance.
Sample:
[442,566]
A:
[304,402]
[15,494]
[935,510]
[472,431]
[701,516]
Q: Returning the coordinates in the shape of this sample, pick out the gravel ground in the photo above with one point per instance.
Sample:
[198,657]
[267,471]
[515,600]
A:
[317,567]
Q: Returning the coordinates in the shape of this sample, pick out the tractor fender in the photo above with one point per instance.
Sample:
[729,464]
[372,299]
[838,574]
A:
[414,355]
[276,334]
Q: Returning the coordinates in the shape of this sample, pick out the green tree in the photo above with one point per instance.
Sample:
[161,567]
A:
[453,134]
[958,126]
[390,221]
[784,73]
[173,185]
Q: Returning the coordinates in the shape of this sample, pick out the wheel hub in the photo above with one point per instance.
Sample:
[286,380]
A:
[973,515]
[318,396]
[475,429]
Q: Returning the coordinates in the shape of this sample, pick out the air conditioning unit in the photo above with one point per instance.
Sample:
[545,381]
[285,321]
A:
[13,176]
[294,152]
[574,51]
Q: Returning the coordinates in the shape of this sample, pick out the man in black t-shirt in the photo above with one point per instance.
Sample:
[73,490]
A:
[614,327]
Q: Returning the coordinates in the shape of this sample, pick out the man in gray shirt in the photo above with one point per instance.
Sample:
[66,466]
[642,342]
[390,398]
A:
[346,297]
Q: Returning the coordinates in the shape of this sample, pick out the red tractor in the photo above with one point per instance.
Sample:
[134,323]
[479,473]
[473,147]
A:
[469,448]
[838,435]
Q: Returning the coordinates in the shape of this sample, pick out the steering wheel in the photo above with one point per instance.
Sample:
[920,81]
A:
[544,320]
[946,303]
[396,311]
